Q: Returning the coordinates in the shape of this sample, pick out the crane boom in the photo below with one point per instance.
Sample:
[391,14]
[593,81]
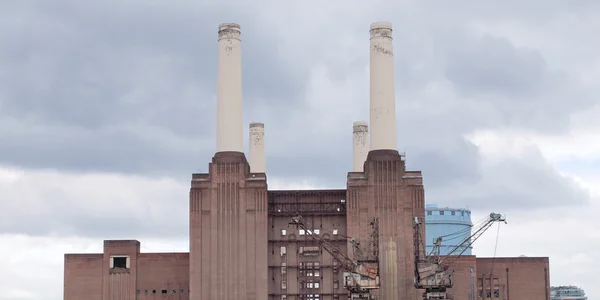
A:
[362,273]
[431,271]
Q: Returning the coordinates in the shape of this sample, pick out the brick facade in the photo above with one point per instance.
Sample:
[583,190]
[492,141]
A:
[243,247]
[143,275]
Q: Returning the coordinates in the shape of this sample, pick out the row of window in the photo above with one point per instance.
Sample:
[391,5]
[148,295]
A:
[303,250]
[309,284]
[489,294]
[452,212]
[309,297]
[146,292]
[309,232]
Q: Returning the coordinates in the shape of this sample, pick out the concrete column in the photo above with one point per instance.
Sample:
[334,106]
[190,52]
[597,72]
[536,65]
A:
[229,90]
[257,148]
[360,145]
[382,103]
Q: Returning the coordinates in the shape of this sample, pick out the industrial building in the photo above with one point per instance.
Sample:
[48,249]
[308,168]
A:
[242,245]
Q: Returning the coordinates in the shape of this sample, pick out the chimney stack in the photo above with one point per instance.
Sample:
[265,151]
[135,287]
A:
[229,90]
[382,102]
[257,148]
[361,145]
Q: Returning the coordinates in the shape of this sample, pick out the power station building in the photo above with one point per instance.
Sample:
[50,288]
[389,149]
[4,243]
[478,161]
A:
[241,243]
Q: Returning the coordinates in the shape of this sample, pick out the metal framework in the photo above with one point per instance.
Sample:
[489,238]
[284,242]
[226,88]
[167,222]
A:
[292,203]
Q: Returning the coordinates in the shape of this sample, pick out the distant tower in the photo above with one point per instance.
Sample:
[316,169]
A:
[452,224]
[360,141]
[228,211]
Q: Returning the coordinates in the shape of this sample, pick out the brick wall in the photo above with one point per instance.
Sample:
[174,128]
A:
[465,278]
[145,275]
[163,276]
[83,277]
[515,277]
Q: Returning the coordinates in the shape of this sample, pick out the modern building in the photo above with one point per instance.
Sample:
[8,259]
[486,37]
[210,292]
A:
[241,243]
[567,292]
[452,225]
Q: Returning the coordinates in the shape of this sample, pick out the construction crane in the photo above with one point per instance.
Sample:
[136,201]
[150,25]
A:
[431,271]
[361,274]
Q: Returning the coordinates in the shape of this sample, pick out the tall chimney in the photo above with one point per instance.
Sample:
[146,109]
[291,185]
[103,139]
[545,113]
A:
[229,90]
[360,150]
[257,148]
[383,108]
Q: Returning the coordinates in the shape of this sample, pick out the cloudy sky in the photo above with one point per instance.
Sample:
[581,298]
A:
[107,107]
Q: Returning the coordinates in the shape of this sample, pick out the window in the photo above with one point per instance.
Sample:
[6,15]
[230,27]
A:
[453,213]
[302,232]
[283,250]
[317,231]
[119,262]
[283,297]
[164,291]
[496,292]
[335,232]
[283,285]
[441,212]
[336,284]
[283,232]
[283,268]
[312,284]
[309,250]
[429,213]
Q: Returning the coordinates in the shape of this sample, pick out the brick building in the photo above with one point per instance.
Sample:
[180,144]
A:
[241,243]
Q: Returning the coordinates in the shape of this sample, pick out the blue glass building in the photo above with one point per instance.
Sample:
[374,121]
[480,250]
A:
[452,224]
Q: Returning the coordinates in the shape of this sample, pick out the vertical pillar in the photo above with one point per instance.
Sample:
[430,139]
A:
[382,105]
[360,145]
[229,89]
[257,148]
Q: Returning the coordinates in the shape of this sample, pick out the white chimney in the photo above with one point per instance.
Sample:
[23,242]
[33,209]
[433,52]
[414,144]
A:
[257,148]
[361,145]
[383,108]
[229,90]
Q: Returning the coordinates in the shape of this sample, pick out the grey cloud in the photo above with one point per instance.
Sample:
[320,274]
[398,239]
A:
[94,206]
[130,87]
[493,65]
[515,184]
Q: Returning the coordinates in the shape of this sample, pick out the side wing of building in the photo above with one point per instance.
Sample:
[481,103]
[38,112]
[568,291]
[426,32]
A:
[122,272]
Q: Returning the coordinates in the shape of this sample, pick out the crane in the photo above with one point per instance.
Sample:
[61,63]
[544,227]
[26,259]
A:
[361,273]
[431,271]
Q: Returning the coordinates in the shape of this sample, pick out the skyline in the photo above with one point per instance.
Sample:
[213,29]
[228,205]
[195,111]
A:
[104,122]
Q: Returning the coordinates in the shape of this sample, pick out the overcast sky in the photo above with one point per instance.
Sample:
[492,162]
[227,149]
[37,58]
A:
[107,107]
